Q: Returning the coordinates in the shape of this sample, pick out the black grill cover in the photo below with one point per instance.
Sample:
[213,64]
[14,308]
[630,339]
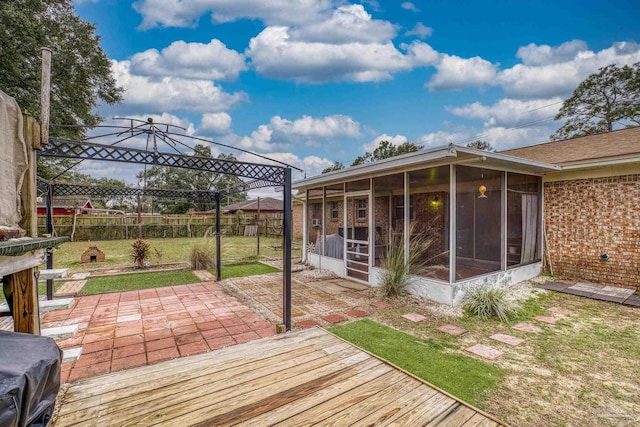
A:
[29,378]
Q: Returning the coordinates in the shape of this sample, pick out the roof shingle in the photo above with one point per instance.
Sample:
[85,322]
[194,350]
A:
[623,143]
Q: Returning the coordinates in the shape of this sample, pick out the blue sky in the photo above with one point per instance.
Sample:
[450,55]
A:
[312,81]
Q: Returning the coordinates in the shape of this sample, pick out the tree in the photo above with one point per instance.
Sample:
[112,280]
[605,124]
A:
[336,166]
[607,98]
[386,150]
[185,179]
[80,70]
[481,145]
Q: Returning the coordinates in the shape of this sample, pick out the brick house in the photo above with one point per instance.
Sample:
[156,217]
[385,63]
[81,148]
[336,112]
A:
[483,213]
[592,206]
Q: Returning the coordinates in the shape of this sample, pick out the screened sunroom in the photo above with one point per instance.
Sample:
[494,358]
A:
[478,215]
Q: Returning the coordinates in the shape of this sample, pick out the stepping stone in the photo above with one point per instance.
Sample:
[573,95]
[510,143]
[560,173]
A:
[615,291]
[204,275]
[414,317]
[380,304]
[452,330]
[527,327]
[71,354]
[485,351]
[60,331]
[334,318]
[546,319]
[560,310]
[356,313]
[305,324]
[507,339]
[572,302]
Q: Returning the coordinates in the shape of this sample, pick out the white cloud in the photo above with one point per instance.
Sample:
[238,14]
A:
[420,30]
[280,133]
[543,76]
[171,93]
[510,112]
[348,24]
[211,61]
[215,123]
[534,54]
[394,140]
[275,55]
[185,13]
[456,73]
[407,5]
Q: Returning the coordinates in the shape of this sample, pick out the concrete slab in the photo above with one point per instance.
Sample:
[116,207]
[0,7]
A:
[527,327]
[452,330]
[618,291]
[55,304]
[80,276]
[560,310]
[507,339]
[71,354]
[485,351]
[57,273]
[577,292]
[588,287]
[608,298]
[546,319]
[60,332]
[414,317]
[553,286]
[354,286]
[633,301]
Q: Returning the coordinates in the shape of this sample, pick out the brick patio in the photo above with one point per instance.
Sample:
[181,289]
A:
[122,330]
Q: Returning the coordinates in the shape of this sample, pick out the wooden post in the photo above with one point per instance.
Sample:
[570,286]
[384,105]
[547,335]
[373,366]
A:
[31,131]
[26,316]
[45,94]
[258,223]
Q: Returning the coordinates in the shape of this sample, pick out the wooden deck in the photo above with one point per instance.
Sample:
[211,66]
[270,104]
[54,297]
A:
[296,379]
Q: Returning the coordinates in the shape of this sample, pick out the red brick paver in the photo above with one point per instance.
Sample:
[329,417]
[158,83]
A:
[484,351]
[334,318]
[507,339]
[527,327]
[560,310]
[307,324]
[380,304]
[356,313]
[546,319]
[123,330]
[414,317]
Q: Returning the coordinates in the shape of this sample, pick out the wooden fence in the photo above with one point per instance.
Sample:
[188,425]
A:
[82,227]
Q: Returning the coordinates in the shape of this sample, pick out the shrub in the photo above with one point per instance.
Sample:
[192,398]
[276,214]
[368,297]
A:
[486,302]
[395,271]
[202,257]
[140,252]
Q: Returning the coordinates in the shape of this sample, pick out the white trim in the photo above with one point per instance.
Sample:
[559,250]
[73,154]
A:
[453,226]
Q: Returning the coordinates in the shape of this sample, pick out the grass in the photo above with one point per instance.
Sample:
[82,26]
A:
[131,282]
[462,376]
[246,269]
[118,252]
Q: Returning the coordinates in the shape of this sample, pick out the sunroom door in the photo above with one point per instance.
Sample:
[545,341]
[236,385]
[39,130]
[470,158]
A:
[356,236]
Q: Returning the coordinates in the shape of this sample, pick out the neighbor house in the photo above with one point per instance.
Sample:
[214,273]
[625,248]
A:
[483,214]
[67,206]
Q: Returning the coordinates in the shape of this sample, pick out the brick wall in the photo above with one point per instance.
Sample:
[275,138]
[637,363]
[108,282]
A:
[297,220]
[585,218]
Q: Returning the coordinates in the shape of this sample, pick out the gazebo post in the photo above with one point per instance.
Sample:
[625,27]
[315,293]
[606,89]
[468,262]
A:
[286,235]
[49,251]
[218,254]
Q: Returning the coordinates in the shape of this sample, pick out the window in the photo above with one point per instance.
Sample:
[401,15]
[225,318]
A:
[362,209]
[399,208]
[334,210]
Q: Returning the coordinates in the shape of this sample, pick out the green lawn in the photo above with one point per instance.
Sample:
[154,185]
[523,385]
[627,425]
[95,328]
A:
[247,269]
[464,377]
[130,282]
[168,250]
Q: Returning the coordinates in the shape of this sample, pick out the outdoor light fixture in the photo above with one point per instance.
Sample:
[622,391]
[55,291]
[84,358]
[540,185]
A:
[435,202]
[482,189]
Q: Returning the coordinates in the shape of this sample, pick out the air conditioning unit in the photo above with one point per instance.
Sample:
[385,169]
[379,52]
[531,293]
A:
[316,222]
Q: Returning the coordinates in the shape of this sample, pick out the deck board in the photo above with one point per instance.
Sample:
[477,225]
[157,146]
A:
[304,378]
